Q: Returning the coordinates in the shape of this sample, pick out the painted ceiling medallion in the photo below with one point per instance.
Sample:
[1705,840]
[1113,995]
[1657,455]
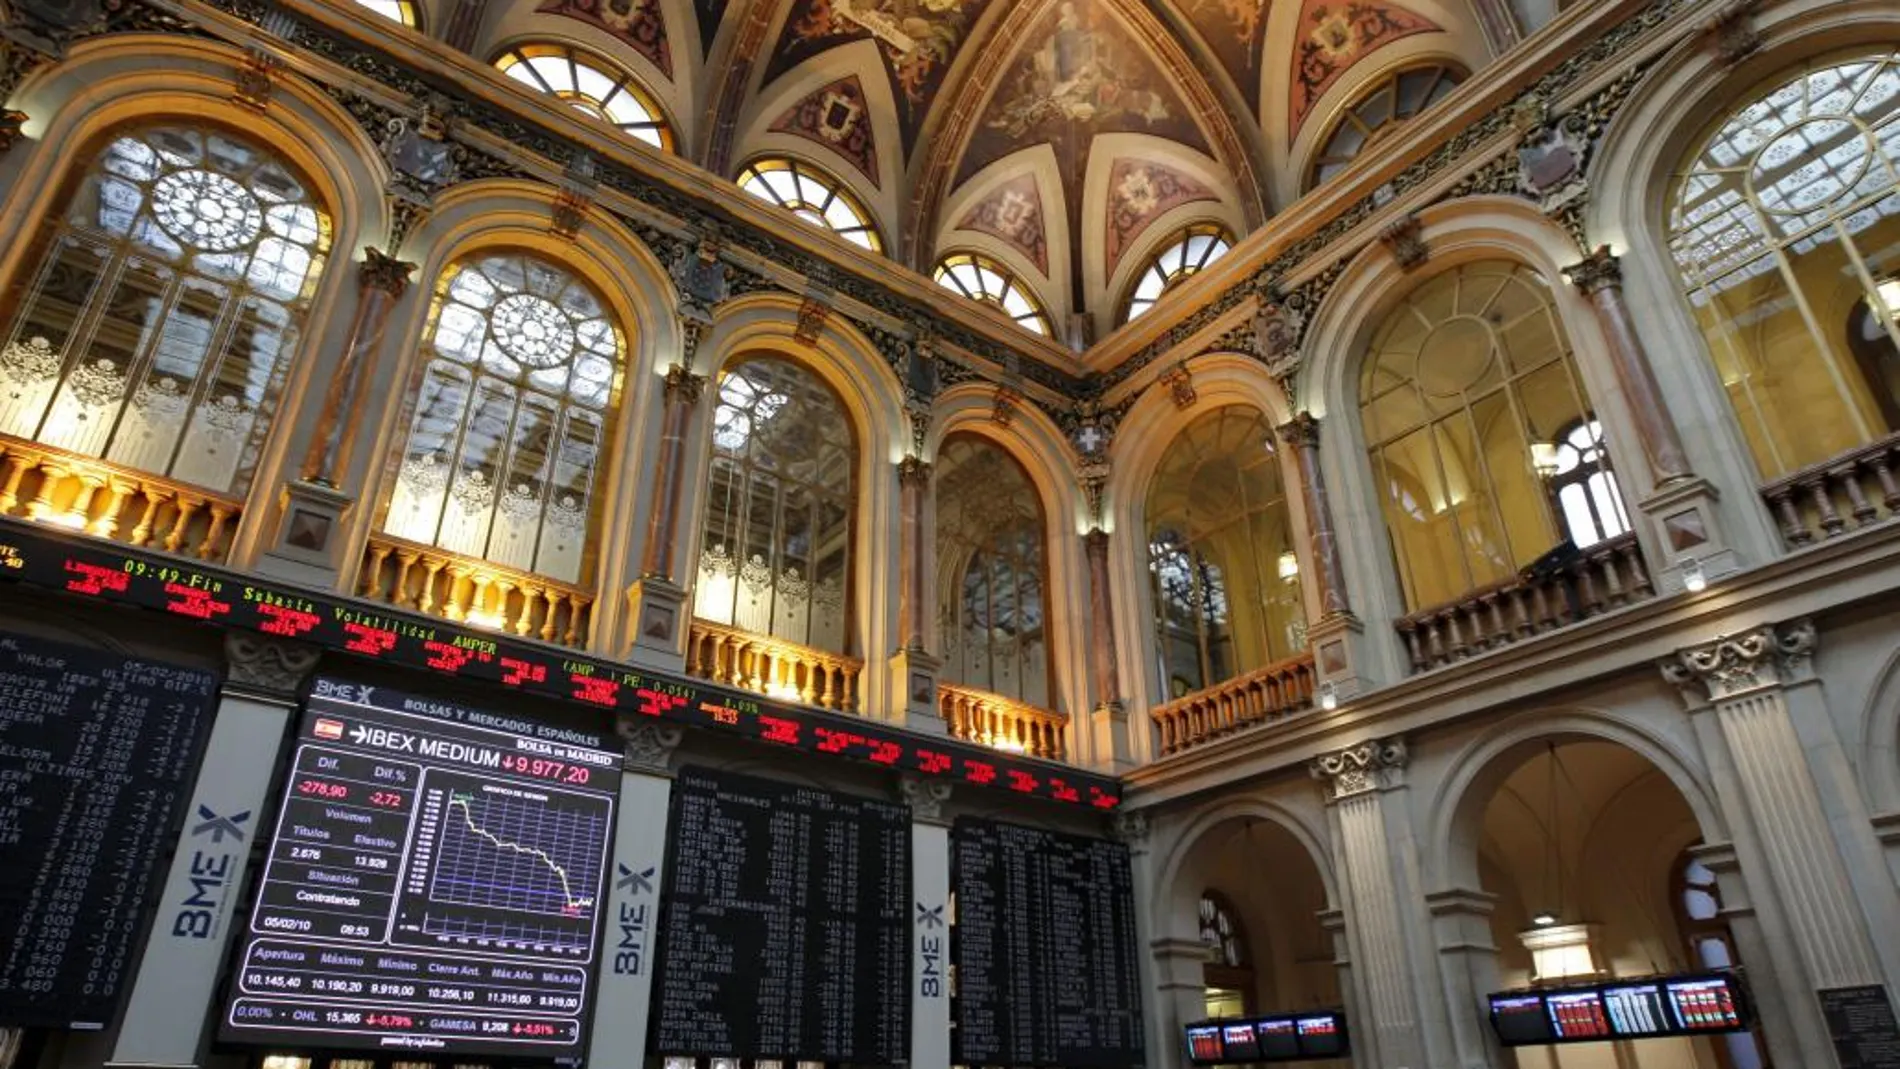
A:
[1013,213]
[637,22]
[1333,37]
[836,117]
[1139,192]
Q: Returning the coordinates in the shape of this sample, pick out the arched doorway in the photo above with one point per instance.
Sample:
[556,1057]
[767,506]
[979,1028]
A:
[1585,844]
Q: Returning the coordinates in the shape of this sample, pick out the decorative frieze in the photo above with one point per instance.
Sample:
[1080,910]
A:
[1734,665]
[1369,766]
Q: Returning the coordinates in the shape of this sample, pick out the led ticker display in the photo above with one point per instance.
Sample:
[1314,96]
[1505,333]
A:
[94,570]
[433,883]
[1629,1009]
[1280,1038]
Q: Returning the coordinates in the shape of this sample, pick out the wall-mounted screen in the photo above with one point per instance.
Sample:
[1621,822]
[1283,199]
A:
[1280,1038]
[433,884]
[1630,1009]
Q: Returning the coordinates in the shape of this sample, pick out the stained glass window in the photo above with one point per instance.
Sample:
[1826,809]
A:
[990,539]
[1195,248]
[521,369]
[812,195]
[776,556]
[169,298]
[1377,113]
[982,279]
[591,85]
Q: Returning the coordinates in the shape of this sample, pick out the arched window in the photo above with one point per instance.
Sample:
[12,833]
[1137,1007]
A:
[591,85]
[990,540]
[1191,250]
[167,302]
[1698,903]
[812,195]
[1786,230]
[1224,575]
[1390,101]
[520,373]
[776,554]
[982,279]
[1584,487]
[403,11]
[1228,976]
[1462,378]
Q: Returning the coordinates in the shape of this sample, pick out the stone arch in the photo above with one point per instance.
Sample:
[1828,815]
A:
[1880,739]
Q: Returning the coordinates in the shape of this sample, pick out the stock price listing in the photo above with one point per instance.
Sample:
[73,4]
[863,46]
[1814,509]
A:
[434,882]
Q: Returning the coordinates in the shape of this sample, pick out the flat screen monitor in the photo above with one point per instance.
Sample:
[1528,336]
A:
[1637,1011]
[1203,1044]
[1705,1004]
[1278,1038]
[1321,1036]
[1520,1019]
[1577,1014]
[1238,1043]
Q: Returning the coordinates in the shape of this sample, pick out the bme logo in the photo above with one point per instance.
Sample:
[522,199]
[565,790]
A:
[210,874]
[929,951]
[630,952]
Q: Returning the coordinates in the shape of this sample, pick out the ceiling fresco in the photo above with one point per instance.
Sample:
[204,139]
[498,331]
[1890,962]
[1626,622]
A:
[1235,31]
[836,117]
[1139,192]
[1334,37]
[637,22]
[1012,213]
[708,13]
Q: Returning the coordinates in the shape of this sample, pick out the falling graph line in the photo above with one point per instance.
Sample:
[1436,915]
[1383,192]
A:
[571,903]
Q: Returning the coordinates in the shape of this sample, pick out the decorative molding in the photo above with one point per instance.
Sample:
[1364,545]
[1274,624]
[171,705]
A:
[1180,384]
[1731,33]
[1405,239]
[1731,666]
[1369,766]
[1004,404]
[925,797]
[1275,335]
[649,746]
[267,667]
[813,311]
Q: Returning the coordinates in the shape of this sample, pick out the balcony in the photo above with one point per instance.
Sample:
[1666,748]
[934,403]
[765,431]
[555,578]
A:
[427,580]
[1829,499]
[773,667]
[1272,693]
[1606,576]
[86,494]
[1002,723]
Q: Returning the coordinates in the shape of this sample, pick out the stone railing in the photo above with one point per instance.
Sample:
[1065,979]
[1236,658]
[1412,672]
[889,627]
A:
[773,667]
[1266,694]
[1606,576]
[1835,496]
[432,582]
[1002,723]
[84,494]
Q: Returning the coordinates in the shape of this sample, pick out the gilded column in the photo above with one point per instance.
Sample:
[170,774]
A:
[683,390]
[1301,434]
[1600,277]
[381,282]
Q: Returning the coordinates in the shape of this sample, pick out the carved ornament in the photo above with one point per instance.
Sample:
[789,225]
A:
[649,746]
[1005,404]
[254,79]
[924,797]
[1406,241]
[1180,384]
[384,273]
[812,314]
[1132,828]
[913,471]
[1369,766]
[683,387]
[1601,270]
[267,666]
[1300,432]
[1734,665]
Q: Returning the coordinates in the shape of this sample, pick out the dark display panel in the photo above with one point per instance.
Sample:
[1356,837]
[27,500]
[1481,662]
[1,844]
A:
[433,884]
[95,753]
[1631,1009]
[1281,1038]
[98,571]
[1044,949]
[785,930]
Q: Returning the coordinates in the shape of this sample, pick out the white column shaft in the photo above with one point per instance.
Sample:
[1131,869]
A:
[622,1007]
[930,946]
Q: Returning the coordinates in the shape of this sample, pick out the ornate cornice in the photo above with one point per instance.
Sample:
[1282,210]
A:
[1369,766]
[1732,666]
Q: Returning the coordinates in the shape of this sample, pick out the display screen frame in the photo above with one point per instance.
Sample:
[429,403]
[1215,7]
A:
[1306,1052]
[1675,1027]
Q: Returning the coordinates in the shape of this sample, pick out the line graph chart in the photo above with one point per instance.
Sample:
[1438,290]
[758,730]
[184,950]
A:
[504,865]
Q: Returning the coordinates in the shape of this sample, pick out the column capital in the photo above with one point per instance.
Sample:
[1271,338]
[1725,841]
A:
[1300,432]
[266,667]
[913,471]
[1132,828]
[683,386]
[1096,540]
[1370,766]
[925,797]
[1598,271]
[384,273]
[1730,666]
[649,746]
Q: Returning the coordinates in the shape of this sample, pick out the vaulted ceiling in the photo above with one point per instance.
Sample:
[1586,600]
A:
[1067,140]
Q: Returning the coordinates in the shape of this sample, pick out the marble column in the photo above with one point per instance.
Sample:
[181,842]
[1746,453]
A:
[617,1038]
[1106,673]
[1400,996]
[658,597]
[1301,434]
[1765,783]
[381,282]
[1600,277]
[930,922]
[914,671]
[188,949]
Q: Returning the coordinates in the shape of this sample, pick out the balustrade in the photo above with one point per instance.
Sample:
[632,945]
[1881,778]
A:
[1836,496]
[1261,696]
[1606,576]
[773,667]
[86,494]
[1002,723]
[427,580]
